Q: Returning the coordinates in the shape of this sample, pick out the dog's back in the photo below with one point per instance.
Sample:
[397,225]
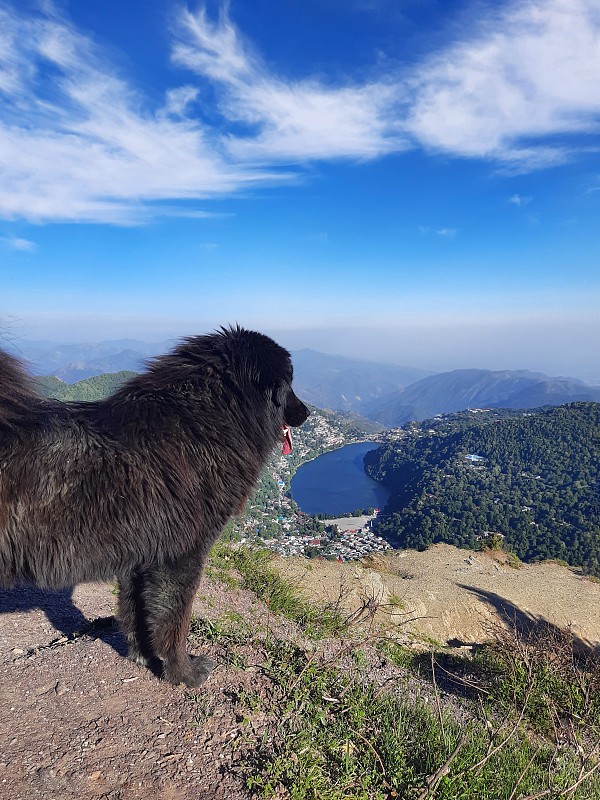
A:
[60,478]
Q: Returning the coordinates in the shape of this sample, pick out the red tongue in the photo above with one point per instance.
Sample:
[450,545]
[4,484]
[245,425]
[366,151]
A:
[287,441]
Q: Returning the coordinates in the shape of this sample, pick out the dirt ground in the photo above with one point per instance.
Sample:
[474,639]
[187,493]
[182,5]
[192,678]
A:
[454,596]
[77,720]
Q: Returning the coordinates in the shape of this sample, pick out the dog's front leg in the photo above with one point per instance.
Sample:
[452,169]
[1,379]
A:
[168,595]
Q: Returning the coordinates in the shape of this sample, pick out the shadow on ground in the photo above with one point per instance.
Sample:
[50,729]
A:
[62,613]
[527,625]
[460,676]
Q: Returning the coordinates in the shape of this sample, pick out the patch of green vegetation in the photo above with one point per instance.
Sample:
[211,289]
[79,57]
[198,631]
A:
[203,709]
[337,736]
[223,572]
[513,560]
[400,655]
[280,595]
[96,388]
[229,630]
[396,602]
[560,561]
[230,627]
[541,674]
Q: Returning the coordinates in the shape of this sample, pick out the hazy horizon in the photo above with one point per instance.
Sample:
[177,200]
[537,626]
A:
[425,348]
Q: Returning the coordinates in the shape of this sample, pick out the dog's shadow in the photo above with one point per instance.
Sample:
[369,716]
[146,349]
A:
[62,614]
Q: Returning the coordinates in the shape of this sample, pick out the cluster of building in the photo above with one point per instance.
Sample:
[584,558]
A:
[353,544]
[327,435]
[346,539]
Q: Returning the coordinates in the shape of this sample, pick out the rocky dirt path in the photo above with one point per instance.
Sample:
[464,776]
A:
[77,720]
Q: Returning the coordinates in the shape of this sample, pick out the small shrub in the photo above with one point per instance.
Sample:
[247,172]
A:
[542,672]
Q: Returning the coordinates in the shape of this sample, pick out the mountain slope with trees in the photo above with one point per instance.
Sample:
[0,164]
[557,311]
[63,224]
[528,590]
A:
[94,388]
[530,480]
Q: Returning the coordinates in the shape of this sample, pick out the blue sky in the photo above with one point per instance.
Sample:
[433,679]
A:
[414,181]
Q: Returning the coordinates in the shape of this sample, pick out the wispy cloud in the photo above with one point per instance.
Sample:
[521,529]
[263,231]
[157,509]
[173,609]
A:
[526,74]
[16,243]
[445,232]
[288,120]
[84,145]
[87,150]
[519,200]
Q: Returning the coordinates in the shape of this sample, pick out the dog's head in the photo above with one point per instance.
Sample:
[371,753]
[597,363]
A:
[258,360]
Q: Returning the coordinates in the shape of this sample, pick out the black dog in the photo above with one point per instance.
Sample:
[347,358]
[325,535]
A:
[140,485]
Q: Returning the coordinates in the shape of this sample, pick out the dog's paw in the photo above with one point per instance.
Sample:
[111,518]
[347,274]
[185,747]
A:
[195,673]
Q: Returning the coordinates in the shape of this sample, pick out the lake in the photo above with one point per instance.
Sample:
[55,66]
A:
[336,482]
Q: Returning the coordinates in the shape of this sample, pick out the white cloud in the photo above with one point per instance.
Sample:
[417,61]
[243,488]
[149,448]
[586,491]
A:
[519,200]
[86,146]
[447,233]
[526,74]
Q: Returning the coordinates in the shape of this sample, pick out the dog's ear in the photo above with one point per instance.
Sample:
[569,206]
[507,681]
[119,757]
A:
[280,393]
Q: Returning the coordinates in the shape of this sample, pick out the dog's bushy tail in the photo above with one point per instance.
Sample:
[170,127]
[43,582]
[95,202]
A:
[17,395]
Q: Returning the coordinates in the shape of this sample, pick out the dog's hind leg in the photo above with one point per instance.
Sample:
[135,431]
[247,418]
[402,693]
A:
[168,596]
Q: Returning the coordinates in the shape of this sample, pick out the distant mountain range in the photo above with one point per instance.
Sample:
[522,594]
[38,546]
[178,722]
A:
[476,388]
[341,384]
[75,362]
[388,394]
[345,384]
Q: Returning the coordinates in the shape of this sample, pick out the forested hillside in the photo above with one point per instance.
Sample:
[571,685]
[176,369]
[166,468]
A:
[531,480]
[89,389]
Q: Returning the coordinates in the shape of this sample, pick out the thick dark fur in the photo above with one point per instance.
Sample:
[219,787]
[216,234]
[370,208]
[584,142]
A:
[139,485]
